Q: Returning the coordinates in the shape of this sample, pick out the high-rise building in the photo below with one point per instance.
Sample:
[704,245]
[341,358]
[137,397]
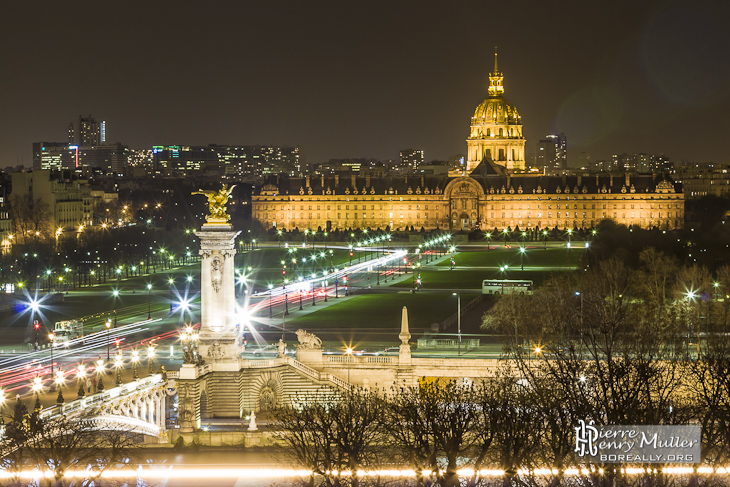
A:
[411,158]
[87,133]
[552,152]
[496,129]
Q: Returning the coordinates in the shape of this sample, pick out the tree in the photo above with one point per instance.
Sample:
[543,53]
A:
[60,444]
[31,219]
[327,432]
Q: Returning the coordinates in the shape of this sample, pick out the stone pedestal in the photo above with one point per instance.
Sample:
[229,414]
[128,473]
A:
[218,318]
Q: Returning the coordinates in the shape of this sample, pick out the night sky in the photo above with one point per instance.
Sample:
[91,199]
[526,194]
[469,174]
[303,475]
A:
[366,79]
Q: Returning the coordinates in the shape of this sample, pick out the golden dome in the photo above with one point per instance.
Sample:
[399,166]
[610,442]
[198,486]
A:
[496,109]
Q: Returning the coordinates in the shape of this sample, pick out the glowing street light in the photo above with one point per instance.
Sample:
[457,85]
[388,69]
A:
[118,364]
[151,357]
[135,361]
[149,305]
[100,373]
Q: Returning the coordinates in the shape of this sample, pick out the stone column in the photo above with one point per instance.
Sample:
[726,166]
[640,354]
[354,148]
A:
[218,296]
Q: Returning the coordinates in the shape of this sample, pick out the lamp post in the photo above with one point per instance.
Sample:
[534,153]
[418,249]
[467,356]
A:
[51,336]
[324,288]
[348,354]
[489,240]
[522,258]
[115,294]
[100,374]
[171,281]
[149,303]
[458,319]
[286,301]
[108,325]
[271,286]
[135,360]
[545,235]
[505,236]
[150,358]
[80,377]
[59,380]
[118,364]
[336,283]
[570,234]
[691,295]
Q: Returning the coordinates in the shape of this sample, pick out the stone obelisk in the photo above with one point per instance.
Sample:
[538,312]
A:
[217,282]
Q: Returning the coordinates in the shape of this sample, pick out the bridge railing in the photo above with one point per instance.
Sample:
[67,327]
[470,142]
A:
[90,401]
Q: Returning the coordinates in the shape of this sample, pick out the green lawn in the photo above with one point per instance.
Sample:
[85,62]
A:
[382,311]
[511,257]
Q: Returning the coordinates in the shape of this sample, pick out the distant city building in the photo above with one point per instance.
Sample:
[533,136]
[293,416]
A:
[53,155]
[704,179]
[240,161]
[552,153]
[411,158]
[70,202]
[496,129]
[87,132]
[141,158]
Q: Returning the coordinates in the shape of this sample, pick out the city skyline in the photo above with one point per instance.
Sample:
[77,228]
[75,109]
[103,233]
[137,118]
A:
[649,78]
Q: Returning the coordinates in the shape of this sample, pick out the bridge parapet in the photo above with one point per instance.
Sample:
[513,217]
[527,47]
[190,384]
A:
[138,405]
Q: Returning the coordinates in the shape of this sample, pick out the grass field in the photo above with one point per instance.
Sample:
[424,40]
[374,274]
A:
[382,311]
[511,257]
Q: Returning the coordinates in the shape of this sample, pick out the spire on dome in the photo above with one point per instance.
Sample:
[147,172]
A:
[496,79]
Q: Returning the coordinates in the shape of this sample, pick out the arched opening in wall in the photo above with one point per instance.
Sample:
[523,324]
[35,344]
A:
[501,155]
[489,132]
[204,409]
[267,396]
[501,132]
[464,221]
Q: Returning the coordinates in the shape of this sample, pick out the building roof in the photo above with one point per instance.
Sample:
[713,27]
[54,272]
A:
[492,178]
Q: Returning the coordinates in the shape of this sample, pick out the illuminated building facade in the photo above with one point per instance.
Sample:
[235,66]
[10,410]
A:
[492,194]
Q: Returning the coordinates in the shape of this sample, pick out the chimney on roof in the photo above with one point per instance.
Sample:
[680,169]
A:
[307,180]
[580,179]
[337,180]
[596,180]
[322,180]
[423,182]
[367,181]
[610,180]
[353,181]
[628,179]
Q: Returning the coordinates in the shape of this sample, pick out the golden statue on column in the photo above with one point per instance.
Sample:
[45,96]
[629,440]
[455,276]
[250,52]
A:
[217,204]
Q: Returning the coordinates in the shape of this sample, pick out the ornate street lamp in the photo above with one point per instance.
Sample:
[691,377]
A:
[118,364]
[135,361]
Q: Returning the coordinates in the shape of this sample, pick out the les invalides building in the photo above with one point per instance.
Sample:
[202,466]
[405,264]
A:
[493,193]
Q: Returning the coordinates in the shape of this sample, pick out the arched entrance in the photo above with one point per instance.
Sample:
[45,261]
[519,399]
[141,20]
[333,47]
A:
[464,222]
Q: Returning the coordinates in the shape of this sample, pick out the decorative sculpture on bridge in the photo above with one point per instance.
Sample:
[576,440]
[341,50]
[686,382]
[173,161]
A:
[308,340]
[217,203]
